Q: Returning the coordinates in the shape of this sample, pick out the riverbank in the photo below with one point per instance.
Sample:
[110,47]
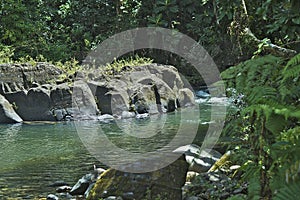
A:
[38,93]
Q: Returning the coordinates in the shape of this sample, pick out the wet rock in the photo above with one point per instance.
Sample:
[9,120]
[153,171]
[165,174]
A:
[88,190]
[186,97]
[59,114]
[199,161]
[52,197]
[64,188]
[106,118]
[80,187]
[83,185]
[202,94]
[127,114]
[142,116]
[7,113]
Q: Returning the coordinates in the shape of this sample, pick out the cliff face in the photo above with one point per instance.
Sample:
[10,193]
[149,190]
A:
[17,77]
[36,94]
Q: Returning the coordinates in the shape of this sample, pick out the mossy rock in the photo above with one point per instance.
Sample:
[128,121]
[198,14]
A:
[165,183]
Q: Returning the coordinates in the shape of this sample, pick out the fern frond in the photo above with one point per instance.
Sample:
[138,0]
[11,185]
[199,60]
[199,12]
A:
[288,192]
[292,69]
[294,61]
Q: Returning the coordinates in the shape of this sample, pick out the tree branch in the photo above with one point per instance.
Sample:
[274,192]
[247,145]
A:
[269,47]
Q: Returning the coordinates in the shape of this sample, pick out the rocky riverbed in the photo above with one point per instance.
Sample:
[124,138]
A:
[195,176]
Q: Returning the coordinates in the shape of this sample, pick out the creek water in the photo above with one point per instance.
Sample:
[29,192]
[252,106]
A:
[35,155]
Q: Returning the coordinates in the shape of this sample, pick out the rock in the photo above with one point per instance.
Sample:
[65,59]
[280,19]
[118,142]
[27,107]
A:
[190,176]
[59,114]
[165,182]
[106,118]
[19,77]
[142,116]
[82,185]
[127,114]
[144,89]
[83,100]
[202,94]
[186,97]
[199,161]
[64,188]
[88,190]
[112,97]
[33,105]
[52,197]
[7,113]
[214,177]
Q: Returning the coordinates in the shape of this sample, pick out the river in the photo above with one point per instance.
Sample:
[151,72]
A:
[34,155]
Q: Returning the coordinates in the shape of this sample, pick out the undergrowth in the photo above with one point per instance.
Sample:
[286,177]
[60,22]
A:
[267,124]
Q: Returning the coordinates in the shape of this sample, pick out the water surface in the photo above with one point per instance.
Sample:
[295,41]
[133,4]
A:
[35,155]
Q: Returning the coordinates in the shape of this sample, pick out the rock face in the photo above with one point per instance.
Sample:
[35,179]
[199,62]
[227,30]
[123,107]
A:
[37,95]
[7,113]
[146,89]
[165,183]
[17,77]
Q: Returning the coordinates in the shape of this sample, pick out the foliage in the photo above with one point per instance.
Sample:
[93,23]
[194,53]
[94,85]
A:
[65,29]
[120,65]
[268,123]
[6,54]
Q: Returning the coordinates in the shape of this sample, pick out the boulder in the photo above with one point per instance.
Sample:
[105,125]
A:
[37,95]
[85,183]
[17,77]
[33,105]
[165,183]
[83,101]
[111,97]
[52,197]
[186,97]
[7,113]
[199,161]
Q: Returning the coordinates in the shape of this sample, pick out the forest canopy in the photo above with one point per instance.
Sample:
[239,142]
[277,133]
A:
[64,29]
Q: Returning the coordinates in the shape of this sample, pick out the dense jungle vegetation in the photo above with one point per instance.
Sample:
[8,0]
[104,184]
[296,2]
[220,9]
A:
[256,44]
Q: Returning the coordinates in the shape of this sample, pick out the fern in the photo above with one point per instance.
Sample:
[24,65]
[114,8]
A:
[288,192]
[269,122]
